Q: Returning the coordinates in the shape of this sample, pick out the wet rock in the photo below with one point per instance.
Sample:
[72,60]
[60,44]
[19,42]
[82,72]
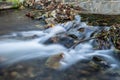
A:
[99,63]
[15,74]
[54,61]
[73,36]
[97,59]
[81,29]
[65,41]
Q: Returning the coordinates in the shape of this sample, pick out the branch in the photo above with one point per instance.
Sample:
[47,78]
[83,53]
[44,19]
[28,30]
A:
[81,42]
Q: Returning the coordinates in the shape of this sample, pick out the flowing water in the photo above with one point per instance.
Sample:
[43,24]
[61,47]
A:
[18,46]
[21,46]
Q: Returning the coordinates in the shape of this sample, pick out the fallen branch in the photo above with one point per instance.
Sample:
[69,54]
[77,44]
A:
[73,47]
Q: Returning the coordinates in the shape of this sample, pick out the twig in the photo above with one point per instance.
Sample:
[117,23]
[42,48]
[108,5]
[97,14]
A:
[73,47]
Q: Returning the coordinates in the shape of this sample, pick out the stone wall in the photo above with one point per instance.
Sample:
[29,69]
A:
[99,6]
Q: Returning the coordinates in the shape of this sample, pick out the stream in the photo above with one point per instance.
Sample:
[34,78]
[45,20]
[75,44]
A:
[29,44]
[23,54]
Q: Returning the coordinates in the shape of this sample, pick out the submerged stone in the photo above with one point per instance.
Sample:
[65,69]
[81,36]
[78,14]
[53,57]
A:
[54,61]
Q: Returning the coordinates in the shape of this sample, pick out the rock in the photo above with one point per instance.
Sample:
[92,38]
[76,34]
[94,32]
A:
[50,21]
[97,59]
[53,13]
[73,36]
[81,29]
[99,63]
[54,61]
[28,3]
[14,74]
[66,41]
[21,7]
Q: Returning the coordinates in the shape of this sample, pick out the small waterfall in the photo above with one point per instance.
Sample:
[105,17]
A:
[18,46]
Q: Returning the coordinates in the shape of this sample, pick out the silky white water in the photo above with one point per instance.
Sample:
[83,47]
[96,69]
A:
[14,49]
